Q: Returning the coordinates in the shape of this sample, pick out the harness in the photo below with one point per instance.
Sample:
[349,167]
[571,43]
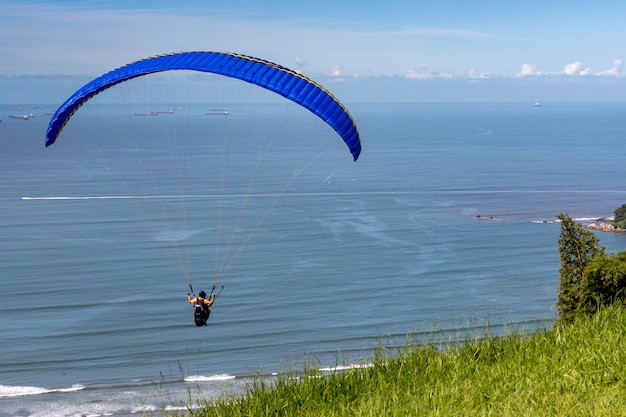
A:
[201,312]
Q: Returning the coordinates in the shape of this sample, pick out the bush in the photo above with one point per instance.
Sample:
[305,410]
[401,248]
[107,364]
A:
[620,217]
[604,283]
[589,278]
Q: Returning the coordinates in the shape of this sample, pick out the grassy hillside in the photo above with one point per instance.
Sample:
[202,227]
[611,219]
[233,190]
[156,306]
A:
[579,370]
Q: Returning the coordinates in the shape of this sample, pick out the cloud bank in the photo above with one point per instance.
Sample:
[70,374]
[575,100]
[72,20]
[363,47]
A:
[572,69]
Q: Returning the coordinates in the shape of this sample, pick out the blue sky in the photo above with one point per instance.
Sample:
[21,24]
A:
[410,50]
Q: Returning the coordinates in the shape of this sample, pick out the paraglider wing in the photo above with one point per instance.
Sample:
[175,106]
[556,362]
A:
[268,75]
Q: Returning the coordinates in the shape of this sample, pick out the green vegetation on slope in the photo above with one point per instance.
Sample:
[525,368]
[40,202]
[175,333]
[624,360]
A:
[589,279]
[620,217]
[574,370]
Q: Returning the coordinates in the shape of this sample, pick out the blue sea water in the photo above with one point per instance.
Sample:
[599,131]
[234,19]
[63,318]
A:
[446,221]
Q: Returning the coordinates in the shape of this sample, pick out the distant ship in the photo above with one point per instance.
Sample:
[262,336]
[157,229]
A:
[21,116]
[154,113]
[217,112]
[537,104]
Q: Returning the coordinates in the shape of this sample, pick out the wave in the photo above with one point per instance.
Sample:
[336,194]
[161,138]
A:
[338,368]
[117,197]
[11,391]
[591,219]
[202,378]
[346,367]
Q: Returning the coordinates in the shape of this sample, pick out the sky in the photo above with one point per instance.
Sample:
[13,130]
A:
[362,51]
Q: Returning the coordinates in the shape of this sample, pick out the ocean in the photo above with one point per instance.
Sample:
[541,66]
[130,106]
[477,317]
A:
[446,222]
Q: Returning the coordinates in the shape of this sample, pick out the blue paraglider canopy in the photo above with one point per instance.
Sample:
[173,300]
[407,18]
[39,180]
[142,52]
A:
[268,75]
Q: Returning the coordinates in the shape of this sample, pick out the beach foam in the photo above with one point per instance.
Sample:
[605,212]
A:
[202,378]
[19,391]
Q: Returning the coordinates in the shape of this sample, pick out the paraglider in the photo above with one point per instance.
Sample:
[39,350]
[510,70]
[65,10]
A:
[201,306]
[267,75]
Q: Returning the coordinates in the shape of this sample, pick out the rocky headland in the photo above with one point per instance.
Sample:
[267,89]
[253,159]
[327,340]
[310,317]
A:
[605,224]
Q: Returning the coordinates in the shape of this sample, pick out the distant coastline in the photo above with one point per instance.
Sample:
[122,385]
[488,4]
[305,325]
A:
[603,224]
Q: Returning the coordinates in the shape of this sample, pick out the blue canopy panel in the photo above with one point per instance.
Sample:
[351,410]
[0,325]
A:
[268,75]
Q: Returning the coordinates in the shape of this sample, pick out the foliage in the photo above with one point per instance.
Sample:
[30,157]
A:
[604,282]
[577,246]
[567,371]
[620,217]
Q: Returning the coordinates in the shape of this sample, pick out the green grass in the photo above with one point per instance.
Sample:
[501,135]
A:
[578,370]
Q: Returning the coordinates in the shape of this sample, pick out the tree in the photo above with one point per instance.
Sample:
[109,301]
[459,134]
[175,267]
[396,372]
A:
[577,247]
[620,217]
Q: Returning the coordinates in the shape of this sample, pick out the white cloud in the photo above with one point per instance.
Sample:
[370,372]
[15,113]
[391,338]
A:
[475,74]
[576,68]
[336,71]
[529,70]
[415,75]
[422,73]
[614,71]
[299,64]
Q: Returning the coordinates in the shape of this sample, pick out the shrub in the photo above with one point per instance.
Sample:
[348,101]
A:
[604,282]
[620,217]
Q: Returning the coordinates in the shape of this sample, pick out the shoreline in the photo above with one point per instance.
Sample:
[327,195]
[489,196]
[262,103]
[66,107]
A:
[605,225]
[602,224]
